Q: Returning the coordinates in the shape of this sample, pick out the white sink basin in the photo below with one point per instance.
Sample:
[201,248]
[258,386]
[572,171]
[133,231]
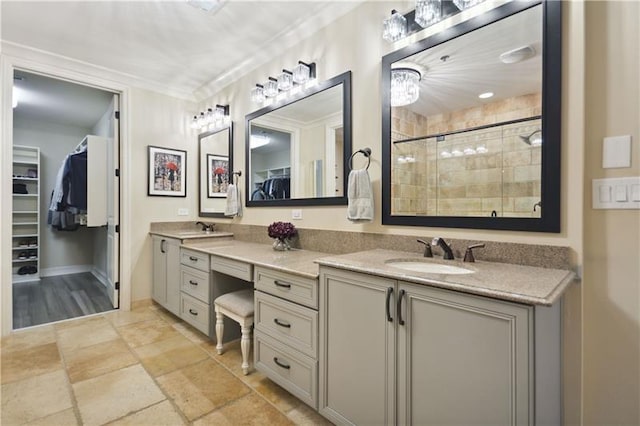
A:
[428,268]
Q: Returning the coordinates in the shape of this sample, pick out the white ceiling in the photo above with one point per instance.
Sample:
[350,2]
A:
[168,43]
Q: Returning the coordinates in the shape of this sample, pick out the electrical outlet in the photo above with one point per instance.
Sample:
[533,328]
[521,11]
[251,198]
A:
[183,212]
[296,214]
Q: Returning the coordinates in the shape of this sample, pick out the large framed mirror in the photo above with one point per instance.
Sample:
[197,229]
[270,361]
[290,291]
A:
[298,151]
[471,123]
[215,161]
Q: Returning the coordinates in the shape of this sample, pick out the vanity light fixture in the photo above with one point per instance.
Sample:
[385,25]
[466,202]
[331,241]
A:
[485,95]
[533,139]
[394,27]
[405,87]
[466,4]
[214,118]
[428,12]
[287,84]
[481,149]
[445,154]
[406,159]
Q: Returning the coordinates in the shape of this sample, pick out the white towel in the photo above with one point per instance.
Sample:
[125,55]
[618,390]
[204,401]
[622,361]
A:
[360,195]
[234,201]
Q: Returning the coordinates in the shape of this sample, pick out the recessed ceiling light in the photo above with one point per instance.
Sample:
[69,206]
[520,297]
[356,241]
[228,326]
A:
[206,5]
[485,95]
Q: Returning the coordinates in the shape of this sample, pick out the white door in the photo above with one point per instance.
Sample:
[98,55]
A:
[113,205]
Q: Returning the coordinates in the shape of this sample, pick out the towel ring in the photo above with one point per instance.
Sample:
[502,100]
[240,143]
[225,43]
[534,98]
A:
[234,174]
[366,152]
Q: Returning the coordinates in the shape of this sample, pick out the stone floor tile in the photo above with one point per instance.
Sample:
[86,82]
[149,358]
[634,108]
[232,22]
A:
[99,359]
[191,333]
[140,304]
[249,410]
[145,332]
[18,365]
[162,414]
[34,398]
[170,354]
[165,315]
[28,338]
[62,418]
[232,357]
[307,416]
[120,318]
[275,394]
[202,387]
[85,333]
[116,394]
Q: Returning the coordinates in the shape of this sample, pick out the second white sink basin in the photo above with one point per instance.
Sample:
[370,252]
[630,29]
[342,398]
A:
[428,268]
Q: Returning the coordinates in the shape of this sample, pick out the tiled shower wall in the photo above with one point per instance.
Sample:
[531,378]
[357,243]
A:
[504,180]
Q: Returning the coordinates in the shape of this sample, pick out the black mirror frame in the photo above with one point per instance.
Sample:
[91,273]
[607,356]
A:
[345,80]
[200,189]
[551,128]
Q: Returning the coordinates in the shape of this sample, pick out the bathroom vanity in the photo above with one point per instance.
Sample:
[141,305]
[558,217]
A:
[384,336]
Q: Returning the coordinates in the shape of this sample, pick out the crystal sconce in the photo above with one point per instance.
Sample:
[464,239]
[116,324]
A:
[287,83]
[214,119]
[428,12]
[394,27]
[405,86]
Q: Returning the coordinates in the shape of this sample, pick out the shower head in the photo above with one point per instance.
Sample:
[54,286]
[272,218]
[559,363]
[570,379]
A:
[533,139]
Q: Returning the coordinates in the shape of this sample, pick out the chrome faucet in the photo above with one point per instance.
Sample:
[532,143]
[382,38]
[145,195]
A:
[208,227]
[427,248]
[448,254]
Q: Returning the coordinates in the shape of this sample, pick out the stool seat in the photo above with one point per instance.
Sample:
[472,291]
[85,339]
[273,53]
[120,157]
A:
[238,302]
[238,306]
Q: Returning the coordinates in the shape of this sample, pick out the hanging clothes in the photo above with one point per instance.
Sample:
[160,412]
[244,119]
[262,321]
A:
[69,197]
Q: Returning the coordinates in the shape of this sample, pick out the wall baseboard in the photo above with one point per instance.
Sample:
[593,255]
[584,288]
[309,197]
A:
[100,276]
[64,270]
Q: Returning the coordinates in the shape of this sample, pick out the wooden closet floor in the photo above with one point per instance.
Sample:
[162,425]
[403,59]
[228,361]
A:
[58,298]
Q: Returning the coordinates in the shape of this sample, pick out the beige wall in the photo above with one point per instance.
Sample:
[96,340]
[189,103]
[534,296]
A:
[611,237]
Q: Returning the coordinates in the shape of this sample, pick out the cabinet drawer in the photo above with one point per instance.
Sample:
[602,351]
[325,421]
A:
[235,268]
[292,370]
[195,283]
[194,259]
[290,323]
[194,312]
[291,287]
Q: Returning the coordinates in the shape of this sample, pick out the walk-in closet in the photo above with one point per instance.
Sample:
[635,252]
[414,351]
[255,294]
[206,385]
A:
[65,200]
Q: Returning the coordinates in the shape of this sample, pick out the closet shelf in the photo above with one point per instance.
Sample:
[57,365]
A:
[28,179]
[25,212]
[35,259]
[24,248]
[25,195]
[24,235]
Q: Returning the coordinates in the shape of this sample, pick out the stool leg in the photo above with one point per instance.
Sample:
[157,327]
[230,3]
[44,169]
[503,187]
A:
[245,345]
[219,331]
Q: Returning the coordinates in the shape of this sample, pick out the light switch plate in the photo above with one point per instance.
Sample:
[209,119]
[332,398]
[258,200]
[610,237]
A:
[183,212]
[616,152]
[296,214]
[616,193]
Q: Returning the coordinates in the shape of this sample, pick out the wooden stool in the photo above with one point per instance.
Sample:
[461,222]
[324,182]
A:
[239,307]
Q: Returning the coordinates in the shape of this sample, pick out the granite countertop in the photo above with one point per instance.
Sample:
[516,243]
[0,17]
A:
[299,262]
[190,235]
[516,283]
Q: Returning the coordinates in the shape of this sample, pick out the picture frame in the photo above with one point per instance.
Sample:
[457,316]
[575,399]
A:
[167,172]
[217,176]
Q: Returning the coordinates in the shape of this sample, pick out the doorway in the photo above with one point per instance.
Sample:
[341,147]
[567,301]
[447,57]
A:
[66,198]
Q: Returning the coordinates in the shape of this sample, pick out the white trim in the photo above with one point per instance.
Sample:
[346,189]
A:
[100,275]
[79,73]
[65,270]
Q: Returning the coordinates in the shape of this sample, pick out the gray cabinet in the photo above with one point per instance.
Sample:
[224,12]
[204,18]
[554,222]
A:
[399,353]
[166,273]
[195,286]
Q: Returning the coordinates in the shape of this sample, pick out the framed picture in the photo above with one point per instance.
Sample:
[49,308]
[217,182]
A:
[167,172]
[217,175]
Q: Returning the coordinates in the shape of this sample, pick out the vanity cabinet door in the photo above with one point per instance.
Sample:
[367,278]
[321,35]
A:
[166,273]
[463,359]
[357,348]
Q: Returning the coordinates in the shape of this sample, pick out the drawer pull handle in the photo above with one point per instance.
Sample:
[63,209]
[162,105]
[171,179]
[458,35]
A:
[193,259]
[282,324]
[193,282]
[192,312]
[281,284]
[286,366]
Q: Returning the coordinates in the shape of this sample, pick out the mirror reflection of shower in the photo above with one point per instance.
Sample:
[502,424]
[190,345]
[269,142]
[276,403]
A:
[533,139]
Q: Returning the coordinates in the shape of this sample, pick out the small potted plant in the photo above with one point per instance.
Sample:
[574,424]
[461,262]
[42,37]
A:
[282,232]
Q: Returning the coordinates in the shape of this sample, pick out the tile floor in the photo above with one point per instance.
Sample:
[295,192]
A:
[143,367]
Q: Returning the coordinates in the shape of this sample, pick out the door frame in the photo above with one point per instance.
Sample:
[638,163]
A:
[61,69]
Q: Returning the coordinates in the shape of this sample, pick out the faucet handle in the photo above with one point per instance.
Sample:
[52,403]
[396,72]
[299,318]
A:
[427,248]
[468,255]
